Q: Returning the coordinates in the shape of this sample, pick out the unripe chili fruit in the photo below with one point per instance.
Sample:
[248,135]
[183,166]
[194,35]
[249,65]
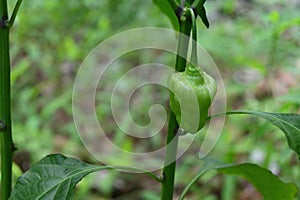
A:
[192,92]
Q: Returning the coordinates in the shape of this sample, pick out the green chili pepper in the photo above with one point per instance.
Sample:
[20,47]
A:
[192,91]
[191,97]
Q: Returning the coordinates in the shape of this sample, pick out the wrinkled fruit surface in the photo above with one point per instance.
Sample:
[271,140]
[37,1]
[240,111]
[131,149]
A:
[190,98]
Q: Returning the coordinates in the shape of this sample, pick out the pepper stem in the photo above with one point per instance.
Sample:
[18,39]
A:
[194,59]
[193,69]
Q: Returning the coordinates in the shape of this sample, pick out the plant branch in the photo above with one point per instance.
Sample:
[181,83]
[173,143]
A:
[154,177]
[194,180]
[172,137]
[150,174]
[7,147]
[174,5]
[197,5]
[210,164]
[15,12]
[234,112]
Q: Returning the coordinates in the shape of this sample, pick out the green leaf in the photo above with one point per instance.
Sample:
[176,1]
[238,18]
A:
[288,123]
[209,164]
[269,185]
[202,14]
[54,177]
[198,5]
[166,8]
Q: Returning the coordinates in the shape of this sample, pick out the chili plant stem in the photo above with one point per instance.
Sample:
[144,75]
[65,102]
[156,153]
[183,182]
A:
[173,4]
[171,148]
[5,115]
[14,13]
[198,4]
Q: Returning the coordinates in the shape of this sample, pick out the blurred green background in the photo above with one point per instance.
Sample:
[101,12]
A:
[255,45]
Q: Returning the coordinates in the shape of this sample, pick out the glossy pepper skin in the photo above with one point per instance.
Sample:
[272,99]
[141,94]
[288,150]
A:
[192,92]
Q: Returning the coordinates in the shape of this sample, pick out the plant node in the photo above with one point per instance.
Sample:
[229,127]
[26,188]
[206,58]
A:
[4,22]
[14,148]
[179,11]
[2,126]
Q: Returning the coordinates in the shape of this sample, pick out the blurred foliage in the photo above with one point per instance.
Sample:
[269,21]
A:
[255,45]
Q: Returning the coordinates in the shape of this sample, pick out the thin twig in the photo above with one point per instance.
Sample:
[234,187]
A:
[194,180]
[14,14]
[174,5]
[197,6]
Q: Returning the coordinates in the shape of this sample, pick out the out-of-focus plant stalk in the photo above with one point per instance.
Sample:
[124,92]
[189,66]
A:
[172,137]
[5,107]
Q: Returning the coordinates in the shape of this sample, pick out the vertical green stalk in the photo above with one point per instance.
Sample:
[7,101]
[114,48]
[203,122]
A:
[171,149]
[272,51]
[5,115]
